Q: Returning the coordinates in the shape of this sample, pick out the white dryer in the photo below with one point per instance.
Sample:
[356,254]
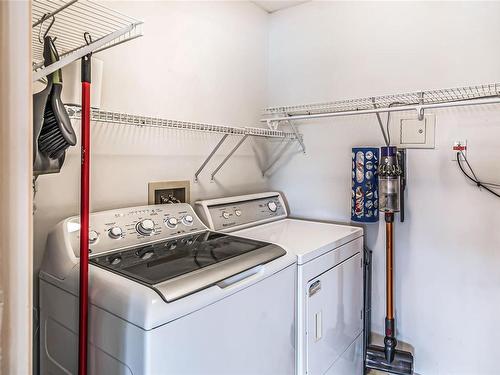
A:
[329,286]
[167,296]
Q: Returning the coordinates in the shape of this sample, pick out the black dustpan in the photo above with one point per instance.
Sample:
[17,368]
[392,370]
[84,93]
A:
[52,130]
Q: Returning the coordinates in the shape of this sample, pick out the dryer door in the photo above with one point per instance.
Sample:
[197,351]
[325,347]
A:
[334,319]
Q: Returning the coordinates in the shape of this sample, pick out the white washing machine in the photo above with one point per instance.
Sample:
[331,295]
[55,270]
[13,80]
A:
[329,286]
[167,296]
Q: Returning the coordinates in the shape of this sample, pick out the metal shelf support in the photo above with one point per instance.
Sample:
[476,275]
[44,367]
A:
[298,136]
[228,156]
[209,157]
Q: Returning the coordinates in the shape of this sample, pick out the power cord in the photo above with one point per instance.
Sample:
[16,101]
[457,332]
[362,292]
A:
[474,179]
[386,133]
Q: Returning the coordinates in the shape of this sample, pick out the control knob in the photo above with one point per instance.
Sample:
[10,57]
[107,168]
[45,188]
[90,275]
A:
[237,212]
[146,227]
[272,206]
[225,215]
[115,233]
[187,220]
[171,222]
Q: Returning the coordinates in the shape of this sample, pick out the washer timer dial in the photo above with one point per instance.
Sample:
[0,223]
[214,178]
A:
[145,227]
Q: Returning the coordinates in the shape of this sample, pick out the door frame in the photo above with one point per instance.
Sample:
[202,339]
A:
[16,195]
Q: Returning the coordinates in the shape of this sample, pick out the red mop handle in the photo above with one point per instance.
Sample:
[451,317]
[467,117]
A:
[84,218]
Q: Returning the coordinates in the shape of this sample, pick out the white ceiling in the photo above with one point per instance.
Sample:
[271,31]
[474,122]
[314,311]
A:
[273,6]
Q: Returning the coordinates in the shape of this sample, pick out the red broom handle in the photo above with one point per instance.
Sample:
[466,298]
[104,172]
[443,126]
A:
[84,218]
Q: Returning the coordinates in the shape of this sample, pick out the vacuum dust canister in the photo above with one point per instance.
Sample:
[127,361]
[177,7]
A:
[389,173]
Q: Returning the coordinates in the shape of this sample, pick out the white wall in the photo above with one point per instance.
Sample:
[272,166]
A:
[448,250]
[202,62]
[211,62]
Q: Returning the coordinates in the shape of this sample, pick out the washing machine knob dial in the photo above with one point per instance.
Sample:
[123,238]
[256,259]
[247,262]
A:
[272,206]
[187,220]
[171,222]
[225,215]
[237,212]
[115,233]
[146,227]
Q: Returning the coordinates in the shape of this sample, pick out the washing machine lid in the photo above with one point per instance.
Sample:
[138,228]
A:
[179,267]
[305,238]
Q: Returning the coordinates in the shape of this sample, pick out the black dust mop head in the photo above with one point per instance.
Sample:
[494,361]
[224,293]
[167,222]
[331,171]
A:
[56,134]
[402,363]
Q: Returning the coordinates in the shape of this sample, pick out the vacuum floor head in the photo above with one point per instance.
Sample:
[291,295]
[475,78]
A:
[401,365]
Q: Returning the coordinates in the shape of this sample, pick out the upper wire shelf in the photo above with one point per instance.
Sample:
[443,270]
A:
[98,115]
[102,116]
[421,100]
[72,19]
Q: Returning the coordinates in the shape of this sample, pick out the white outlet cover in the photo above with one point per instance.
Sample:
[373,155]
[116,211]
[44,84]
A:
[462,142]
[407,131]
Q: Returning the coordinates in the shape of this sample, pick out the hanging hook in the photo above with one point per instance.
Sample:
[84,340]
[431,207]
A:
[88,41]
[87,37]
[43,19]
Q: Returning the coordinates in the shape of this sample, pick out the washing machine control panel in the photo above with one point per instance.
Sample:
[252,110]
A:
[226,214]
[121,228]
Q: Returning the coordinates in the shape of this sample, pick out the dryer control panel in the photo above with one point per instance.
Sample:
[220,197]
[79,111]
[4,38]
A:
[124,227]
[232,213]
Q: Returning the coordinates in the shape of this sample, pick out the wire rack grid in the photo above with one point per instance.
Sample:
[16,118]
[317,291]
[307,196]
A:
[72,19]
[429,97]
[103,116]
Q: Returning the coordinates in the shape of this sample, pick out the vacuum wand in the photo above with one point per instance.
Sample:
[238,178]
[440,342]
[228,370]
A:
[390,341]
[389,182]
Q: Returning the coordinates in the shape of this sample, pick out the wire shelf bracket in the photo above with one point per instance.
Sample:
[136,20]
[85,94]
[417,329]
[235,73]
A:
[297,135]
[212,176]
[71,19]
[416,101]
[202,166]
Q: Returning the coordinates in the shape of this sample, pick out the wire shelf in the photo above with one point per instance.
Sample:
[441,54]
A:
[73,18]
[438,98]
[103,116]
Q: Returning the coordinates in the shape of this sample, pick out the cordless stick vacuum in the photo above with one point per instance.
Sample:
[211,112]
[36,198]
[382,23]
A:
[388,358]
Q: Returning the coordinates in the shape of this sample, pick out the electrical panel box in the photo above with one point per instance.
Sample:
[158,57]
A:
[413,131]
[407,131]
[164,192]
